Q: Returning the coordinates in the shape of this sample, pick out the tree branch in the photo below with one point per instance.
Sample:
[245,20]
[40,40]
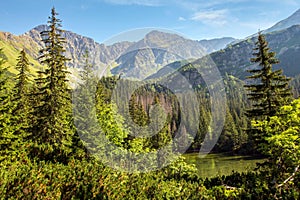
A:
[289,178]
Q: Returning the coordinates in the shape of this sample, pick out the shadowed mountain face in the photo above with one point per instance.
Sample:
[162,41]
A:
[216,44]
[235,59]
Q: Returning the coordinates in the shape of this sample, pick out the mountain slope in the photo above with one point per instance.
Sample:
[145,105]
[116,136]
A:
[12,45]
[235,59]
[139,58]
[154,51]
[294,19]
[216,44]
[76,45]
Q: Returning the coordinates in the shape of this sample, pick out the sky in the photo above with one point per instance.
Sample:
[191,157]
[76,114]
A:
[105,19]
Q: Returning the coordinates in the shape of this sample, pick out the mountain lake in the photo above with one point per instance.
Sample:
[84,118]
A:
[213,165]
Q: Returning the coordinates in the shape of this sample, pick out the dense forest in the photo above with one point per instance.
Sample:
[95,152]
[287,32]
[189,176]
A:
[86,142]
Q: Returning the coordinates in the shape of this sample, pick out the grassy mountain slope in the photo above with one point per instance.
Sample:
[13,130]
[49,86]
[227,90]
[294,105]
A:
[12,45]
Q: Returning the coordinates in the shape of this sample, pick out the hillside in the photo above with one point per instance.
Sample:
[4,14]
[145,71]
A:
[151,53]
[216,44]
[12,45]
[235,59]
[154,51]
[100,55]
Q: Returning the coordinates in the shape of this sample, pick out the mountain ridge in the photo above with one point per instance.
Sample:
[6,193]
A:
[293,19]
[111,56]
[235,59]
[158,49]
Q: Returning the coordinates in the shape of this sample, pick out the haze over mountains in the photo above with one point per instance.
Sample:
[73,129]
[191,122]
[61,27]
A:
[157,49]
[286,23]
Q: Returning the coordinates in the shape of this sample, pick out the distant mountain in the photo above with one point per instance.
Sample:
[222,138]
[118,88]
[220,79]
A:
[138,59]
[100,55]
[154,51]
[169,69]
[216,44]
[12,45]
[294,19]
[149,56]
[235,59]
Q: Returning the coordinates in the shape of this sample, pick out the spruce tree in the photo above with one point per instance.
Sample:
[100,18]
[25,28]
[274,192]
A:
[84,109]
[21,97]
[53,130]
[3,78]
[228,140]
[6,135]
[20,108]
[269,89]
[3,90]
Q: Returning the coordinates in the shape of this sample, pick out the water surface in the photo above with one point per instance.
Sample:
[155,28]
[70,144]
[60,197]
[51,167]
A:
[220,164]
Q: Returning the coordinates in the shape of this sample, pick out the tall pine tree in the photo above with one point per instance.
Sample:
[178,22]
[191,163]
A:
[21,97]
[53,129]
[269,89]
[84,109]
[20,108]
[6,135]
[3,92]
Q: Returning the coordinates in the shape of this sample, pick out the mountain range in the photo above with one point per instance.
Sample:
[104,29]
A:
[156,50]
[234,59]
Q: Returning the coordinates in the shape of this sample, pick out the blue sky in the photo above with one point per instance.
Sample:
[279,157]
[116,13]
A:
[195,19]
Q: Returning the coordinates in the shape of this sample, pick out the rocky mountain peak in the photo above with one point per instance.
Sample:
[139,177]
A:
[144,57]
[162,36]
[40,28]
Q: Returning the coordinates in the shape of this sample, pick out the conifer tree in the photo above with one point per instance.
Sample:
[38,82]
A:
[228,140]
[19,108]
[3,78]
[53,130]
[6,135]
[21,97]
[158,125]
[203,127]
[3,89]
[84,107]
[269,89]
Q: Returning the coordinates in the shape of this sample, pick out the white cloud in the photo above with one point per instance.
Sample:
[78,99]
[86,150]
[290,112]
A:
[181,19]
[214,17]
